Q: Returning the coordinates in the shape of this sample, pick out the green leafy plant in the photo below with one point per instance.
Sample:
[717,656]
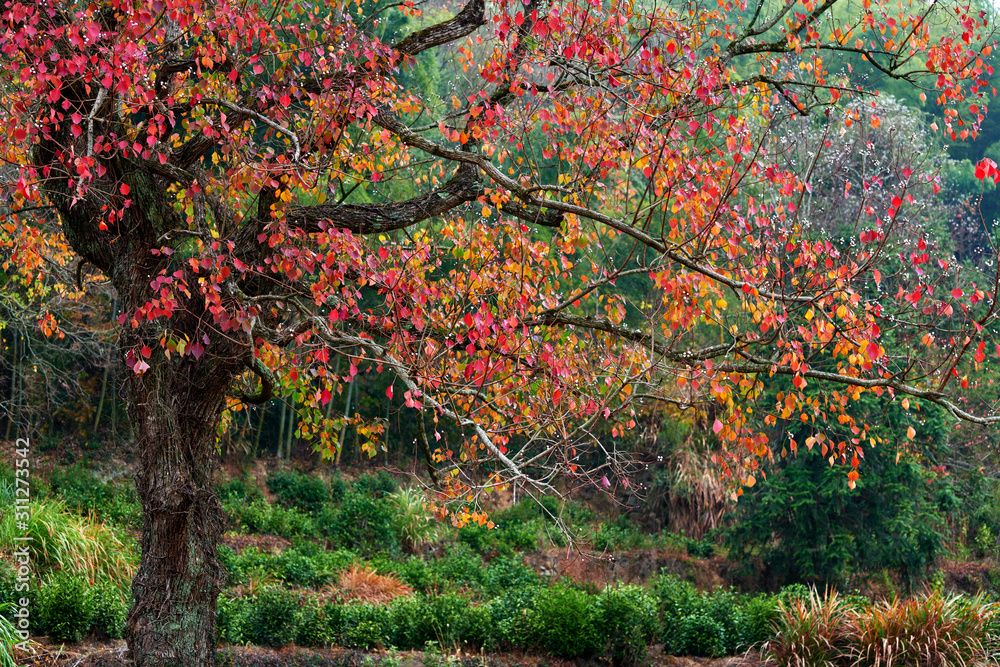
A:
[625,617]
[562,623]
[272,618]
[362,523]
[298,490]
[111,604]
[65,608]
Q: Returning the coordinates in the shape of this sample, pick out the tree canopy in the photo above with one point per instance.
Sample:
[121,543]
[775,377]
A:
[268,186]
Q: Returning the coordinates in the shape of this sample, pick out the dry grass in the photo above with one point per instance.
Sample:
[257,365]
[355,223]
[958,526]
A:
[933,630]
[812,633]
[363,584]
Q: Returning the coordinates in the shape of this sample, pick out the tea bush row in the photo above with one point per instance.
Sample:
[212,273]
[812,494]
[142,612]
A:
[617,624]
[307,565]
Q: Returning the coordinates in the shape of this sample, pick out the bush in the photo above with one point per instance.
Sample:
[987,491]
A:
[65,608]
[625,616]
[511,614]
[364,625]
[619,535]
[505,574]
[314,627]
[238,489]
[757,618]
[459,569]
[378,485]
[229,612]
[562,623]
[701,635]
[298,569]
[261,517]
[271,619]
[111,605]
[362,523]
[677,598]
[299,491]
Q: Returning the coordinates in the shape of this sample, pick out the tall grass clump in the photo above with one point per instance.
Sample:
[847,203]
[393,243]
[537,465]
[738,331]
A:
[936,629]
[64,541]
[413,521]
[8,637]
[933,630]
[813,632]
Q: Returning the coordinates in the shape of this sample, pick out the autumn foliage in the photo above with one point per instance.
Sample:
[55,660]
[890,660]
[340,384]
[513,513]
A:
[268,188]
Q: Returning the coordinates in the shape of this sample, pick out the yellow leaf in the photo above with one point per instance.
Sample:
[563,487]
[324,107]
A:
[906,404]
[910,433]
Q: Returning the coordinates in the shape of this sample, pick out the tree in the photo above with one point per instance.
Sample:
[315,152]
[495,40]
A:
[264,192]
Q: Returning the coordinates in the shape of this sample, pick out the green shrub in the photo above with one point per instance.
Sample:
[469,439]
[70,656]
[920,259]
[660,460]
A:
[619,535]
[314,627]
[298,569]
[263,518]
[625,617]
[378,485]
[111,502]
[511,614]
[700,549]
[456,570]
[722,606]
[454,621]
[111,605]
[414,572]
[757,618]
[562,623]
[507,573]
[676,598]
[700,635]
[272,618]
[338,488]
[65,608]
[229,613]
[362,523]
[364,625]
[238,489]
[297,490]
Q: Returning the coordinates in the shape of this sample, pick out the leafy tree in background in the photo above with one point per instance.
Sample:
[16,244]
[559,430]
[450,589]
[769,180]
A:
[264,192]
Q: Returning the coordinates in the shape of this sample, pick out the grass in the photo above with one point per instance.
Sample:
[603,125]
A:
[933,630]
[8,638]
[63,541]
[363,584]
[936,629]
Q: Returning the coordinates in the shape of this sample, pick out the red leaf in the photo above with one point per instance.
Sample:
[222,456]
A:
[388,392]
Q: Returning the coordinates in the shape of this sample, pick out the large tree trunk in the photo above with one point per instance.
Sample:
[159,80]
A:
[175,408]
